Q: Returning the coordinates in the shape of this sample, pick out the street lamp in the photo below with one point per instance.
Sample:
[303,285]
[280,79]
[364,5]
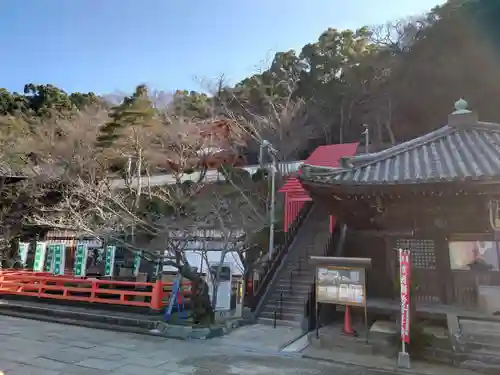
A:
[272,152]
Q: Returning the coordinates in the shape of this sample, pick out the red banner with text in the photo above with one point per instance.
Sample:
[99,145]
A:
[404,269]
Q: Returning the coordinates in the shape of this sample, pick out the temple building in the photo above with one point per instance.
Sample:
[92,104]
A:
[437,195]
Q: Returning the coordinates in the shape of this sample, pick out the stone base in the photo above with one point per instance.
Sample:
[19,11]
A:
[186,332]
[135,323]
[333,338]
[404,360]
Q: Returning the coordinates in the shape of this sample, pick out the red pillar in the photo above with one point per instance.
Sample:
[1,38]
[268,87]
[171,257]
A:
[287,214]
[156,295]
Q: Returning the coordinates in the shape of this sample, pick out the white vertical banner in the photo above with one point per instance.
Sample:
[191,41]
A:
[40,254]
[137,262]
[49,259]
[110,261]
[23,252]
[81,255]
[58,252]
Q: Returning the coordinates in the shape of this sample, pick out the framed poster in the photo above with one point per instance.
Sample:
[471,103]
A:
[341,285]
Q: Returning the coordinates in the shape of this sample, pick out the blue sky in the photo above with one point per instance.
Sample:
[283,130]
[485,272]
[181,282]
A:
[111,45]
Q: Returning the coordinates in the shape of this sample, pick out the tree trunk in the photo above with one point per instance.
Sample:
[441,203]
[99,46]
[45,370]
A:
[203,313]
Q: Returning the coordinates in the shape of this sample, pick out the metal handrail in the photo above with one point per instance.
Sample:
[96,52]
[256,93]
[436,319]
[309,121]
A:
[274,318]
[291,282]
[281,305]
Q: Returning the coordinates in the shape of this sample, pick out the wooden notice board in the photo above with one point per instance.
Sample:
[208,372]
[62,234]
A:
[341,285]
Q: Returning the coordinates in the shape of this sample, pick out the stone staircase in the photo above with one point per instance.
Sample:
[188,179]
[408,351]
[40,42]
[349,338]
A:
[477,345]
[285,301]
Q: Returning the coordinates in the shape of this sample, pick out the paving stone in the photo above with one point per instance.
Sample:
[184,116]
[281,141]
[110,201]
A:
[66,356]
[181,368]
[137,370]
[21,356]
[80,344]
[79,370]
[48,364]
[6,365]
[105,349]
[146,362]
[31,370]
[97,352]
[99,364]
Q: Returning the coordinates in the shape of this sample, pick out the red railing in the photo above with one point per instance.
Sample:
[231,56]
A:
[126,293]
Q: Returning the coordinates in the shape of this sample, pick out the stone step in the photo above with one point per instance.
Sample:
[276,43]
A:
[480,367]
[287,298]
[303,276]
[288,323]
[291,309]
[284,316]
[482,340]
[290,305]
[106,320]
[487,352]
[482,356]
[293,291]
[291,297]
[287,303]
[296,274]
[295,280]
[470,326]
[301,285]
[303,280]
[341,342]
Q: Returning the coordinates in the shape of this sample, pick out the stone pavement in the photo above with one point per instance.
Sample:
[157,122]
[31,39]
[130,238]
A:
[260,336]
[39,348]
[381,363]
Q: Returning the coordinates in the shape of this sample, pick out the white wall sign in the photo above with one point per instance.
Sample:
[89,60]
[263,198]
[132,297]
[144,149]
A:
[224,290]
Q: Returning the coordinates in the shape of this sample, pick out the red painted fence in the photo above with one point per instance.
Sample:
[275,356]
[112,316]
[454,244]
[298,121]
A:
[126,293]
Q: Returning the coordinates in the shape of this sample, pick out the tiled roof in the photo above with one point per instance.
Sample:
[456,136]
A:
[323,156]
[451,153]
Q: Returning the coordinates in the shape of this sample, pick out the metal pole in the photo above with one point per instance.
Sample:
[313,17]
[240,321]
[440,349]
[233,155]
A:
[367,138]
[261,153]
[272,209]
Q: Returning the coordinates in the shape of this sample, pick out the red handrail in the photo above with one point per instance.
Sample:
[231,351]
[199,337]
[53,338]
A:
[88,290]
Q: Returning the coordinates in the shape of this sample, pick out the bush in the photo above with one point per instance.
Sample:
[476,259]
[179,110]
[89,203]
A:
[419,339]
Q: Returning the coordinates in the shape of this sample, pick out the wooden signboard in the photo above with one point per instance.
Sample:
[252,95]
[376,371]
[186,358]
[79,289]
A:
[341,281]
[341,285]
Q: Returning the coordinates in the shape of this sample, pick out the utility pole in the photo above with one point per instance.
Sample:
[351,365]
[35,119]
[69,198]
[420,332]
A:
[367,138]
[272,209]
